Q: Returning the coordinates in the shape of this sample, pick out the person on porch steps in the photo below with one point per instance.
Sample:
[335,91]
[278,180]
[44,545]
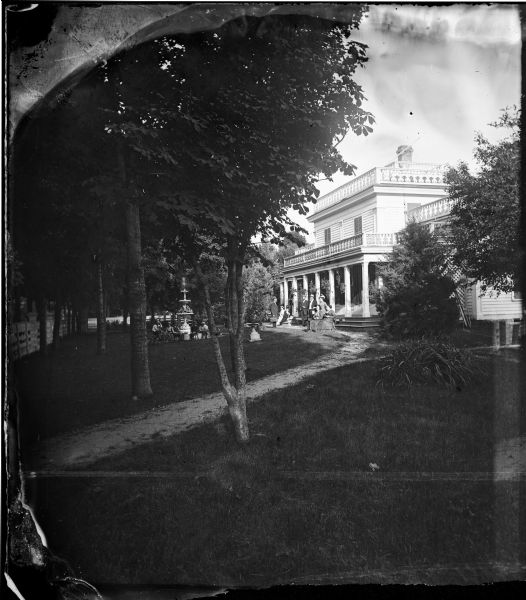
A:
[274,312]
[323,307]
[305,309]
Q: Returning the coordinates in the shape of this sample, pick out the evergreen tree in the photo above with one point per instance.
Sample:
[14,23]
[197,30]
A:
[417,297]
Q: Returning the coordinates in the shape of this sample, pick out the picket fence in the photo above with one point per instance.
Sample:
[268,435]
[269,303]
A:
[24,337]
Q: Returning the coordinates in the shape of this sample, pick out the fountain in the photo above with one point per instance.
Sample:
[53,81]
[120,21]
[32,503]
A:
[184,314]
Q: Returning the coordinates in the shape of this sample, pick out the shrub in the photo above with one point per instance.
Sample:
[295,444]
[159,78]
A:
[423,308]
[426,361]
[417,297]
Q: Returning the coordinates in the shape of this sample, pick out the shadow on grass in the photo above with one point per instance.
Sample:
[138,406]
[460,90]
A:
[197,509]
[341,419]
[74,388]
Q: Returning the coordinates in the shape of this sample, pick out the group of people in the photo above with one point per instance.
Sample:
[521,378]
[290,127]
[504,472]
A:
[166,331]
[278,315]
[314,309]
[310,309]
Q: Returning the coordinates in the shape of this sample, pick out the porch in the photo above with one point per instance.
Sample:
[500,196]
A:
[349,289]
[345,272]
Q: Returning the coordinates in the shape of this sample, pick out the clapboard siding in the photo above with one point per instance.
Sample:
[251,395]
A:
[368,221]
[342,228]
[499,307]
[368,224]
[390,219]
[336,230]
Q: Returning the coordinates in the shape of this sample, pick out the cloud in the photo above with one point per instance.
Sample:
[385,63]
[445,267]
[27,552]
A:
[478,24]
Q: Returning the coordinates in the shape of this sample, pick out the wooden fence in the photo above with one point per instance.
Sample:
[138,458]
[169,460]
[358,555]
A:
[24,337]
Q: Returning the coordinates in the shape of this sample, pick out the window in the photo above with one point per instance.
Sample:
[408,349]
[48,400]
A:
[328,236]
[516,295]
[357,225]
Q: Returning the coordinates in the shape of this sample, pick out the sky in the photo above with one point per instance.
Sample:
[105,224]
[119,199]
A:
[435,76]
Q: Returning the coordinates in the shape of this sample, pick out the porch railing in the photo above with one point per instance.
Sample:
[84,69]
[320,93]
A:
[356,241]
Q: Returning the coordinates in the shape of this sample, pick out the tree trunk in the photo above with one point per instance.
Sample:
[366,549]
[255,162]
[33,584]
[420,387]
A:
[140,368]
[75,321]
[17,316]
[101,318]
[230,323]
[57,320]
[125,308]
[42,320]
[68,319]
[83,319]
[235,395]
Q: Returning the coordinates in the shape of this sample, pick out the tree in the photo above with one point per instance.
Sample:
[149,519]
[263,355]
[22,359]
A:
[62,211]
[273,103]
[485,217]
[258,289]
[417,297]
[211,138]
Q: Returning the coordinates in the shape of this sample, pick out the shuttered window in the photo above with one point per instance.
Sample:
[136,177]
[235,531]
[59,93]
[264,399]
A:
[328,236]
[357,225]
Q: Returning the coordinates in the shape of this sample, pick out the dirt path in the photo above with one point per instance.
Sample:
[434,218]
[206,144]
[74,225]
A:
[85,446]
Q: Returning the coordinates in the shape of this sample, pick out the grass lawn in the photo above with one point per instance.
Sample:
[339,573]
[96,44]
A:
[301,502]
[74,387]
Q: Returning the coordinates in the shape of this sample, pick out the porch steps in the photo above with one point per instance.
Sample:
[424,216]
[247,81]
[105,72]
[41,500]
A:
[350,322]
[357,322]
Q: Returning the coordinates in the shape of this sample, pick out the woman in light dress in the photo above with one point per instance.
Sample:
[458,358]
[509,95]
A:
[323,307]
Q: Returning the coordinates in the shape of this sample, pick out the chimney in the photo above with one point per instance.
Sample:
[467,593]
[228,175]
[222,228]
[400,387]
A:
[404,154]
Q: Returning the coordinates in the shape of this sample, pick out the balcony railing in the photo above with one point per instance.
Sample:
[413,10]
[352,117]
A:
[398,173]
[430,211]
[304,249]
[362,239]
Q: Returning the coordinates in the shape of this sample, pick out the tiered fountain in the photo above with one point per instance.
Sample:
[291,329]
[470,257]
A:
[184,314]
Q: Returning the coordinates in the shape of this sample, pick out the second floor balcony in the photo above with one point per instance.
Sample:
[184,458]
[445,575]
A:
[362,242]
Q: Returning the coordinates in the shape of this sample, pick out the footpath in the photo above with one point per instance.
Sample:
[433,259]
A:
[82,447]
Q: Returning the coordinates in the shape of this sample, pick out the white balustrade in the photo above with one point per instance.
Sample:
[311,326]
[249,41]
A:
[303,249]
[350,188]
[402,172]
[362,239]
[381,239]
[435,209]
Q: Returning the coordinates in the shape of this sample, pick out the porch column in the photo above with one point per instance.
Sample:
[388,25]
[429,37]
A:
[285,299]
[281,292]
[365,289]
[295,296]
[332,293]
[347,283]
[317,284]
[305,284]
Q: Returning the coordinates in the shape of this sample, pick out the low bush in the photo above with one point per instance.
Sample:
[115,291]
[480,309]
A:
[426,361]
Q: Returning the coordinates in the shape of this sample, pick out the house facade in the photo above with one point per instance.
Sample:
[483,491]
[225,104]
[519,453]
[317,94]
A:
[355,228]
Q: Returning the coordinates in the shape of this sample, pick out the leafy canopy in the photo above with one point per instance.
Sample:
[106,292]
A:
[228,129]
[486,214]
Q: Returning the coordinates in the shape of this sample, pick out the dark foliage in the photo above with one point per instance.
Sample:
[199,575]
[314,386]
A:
[417,297]
[485,215]
[426,361]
